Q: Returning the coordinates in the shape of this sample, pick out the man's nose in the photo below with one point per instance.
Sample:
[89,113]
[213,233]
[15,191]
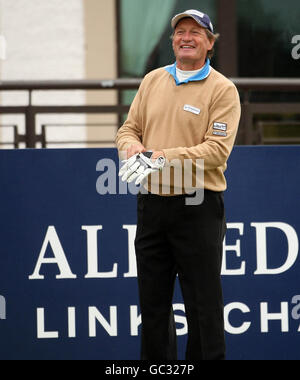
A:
[186,37]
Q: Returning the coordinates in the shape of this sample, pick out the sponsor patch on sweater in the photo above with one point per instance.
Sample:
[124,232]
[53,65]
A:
[220,133]
[191,109]
[220,126]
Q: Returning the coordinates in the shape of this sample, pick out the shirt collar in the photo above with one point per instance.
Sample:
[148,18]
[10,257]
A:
[203,73]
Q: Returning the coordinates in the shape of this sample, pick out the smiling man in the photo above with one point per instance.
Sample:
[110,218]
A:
[184,111]
[190,44]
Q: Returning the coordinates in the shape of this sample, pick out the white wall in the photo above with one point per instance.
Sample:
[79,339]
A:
[45,39]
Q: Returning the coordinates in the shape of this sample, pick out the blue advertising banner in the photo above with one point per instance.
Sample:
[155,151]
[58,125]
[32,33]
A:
[68,286]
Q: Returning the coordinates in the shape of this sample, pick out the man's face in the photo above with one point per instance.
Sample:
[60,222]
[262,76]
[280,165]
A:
[190,44]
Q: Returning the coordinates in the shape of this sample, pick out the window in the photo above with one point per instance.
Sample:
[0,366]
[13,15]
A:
[259,38]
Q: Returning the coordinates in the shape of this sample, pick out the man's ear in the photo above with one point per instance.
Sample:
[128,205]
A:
[211,44]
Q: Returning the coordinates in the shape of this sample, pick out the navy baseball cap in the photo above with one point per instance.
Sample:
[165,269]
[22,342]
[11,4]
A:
[201,18]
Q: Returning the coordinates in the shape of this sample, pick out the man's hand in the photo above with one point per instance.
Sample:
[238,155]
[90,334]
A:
[139,166]
[156,154]
[135,149]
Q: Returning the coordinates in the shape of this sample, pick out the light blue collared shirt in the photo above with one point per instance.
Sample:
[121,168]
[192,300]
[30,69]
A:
[203,73]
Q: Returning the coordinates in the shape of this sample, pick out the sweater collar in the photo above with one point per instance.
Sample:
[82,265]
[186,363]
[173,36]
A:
[202,74]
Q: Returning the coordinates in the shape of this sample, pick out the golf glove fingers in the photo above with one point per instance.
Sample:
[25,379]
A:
[139,166]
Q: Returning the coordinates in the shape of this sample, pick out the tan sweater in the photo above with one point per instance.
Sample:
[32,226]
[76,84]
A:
[195,120]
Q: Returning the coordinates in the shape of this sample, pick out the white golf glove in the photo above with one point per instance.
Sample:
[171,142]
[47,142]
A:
[139,166]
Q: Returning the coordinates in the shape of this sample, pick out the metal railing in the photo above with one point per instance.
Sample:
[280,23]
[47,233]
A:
[264,138]
[47,141]
[246,87]
[15,142]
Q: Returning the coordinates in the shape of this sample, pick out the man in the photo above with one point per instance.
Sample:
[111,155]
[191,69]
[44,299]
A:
[186,111]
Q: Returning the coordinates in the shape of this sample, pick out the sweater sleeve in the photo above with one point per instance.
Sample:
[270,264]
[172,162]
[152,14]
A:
[224,111]
[130,133]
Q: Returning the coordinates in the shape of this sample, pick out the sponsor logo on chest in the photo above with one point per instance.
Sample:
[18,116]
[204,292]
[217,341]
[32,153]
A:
[192,109]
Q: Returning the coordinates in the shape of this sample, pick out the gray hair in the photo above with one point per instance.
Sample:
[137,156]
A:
[212,37]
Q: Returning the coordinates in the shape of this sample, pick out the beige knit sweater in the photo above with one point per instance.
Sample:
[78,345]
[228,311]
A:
[191,121]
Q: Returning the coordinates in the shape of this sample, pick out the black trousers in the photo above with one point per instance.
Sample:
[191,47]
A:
[174,238]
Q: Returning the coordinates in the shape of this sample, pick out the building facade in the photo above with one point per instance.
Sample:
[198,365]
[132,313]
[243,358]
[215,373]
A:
[108,39]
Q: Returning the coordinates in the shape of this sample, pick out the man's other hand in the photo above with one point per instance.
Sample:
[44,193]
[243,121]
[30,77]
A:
[135,149]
